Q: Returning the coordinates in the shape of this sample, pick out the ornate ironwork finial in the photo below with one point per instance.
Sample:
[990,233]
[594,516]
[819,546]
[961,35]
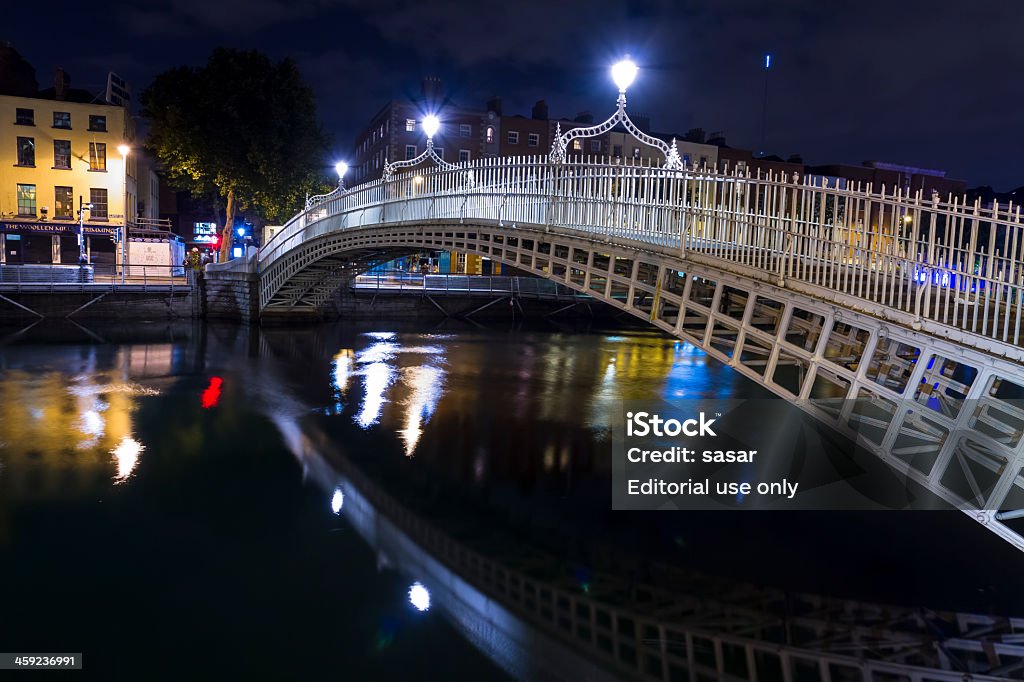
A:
[557,154]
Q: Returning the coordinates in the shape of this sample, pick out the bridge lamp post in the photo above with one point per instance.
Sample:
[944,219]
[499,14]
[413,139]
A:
[623,73]
[124,150]
[341,167]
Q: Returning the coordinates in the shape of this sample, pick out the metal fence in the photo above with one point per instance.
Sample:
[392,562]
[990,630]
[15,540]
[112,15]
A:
[953,263]
[94,277]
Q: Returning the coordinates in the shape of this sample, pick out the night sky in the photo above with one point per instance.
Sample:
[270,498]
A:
[929,83]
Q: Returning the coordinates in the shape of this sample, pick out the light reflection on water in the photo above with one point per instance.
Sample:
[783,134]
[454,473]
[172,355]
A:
[67,421]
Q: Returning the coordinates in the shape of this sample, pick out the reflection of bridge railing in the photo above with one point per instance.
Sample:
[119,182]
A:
[730,632]
[522,287]
[955,264]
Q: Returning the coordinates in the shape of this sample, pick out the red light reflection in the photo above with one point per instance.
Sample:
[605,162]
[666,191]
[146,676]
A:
[211,394]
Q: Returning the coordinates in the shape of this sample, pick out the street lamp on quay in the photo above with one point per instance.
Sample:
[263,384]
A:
[124,150]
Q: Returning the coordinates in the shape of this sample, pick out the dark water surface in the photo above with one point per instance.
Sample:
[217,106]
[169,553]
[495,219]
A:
[160,510]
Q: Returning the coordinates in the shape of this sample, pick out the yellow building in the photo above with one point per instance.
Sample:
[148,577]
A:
[58,150]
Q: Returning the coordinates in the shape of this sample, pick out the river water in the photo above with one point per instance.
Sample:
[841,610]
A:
[160,513]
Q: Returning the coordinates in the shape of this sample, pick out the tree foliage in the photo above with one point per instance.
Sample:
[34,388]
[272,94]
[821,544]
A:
[242,127]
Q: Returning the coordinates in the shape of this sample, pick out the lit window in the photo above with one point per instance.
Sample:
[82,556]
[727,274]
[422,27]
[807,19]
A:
[62,153]
[27,200]
[25,117]
[26,151]
[98,124]
[490,135]
[463,155]
[636,152]
[577,145]
[410,151]
[97,156]
[98,198]
[62,119]
[595,145]
[63,202]
[513,137]
[410,125]
[465,130]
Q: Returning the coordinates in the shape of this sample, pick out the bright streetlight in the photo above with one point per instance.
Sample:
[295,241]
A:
[341,168]
[124,150]
[624,73]
[431,125]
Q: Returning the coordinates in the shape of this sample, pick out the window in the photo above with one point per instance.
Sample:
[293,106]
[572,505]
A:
[98,199]
[703,161]
[62,153]
[97,156]
[26,151]
[25,117]
[617,150]
[63,202]
[98,123]
[533,140]
[465,130]
[463,155]
[513,137]
[410,151]
[490,135]
[27,200]
[595,146]
[440,152]
[577,145]
[636,152]
[62,119]
[410,125]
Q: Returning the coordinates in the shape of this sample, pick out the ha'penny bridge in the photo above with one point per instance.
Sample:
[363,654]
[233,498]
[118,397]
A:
[892,316]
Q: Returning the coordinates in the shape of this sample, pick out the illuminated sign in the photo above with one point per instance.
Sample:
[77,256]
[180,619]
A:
[204,233]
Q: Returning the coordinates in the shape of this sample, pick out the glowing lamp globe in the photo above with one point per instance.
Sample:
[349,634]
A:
[419,597]
[123,149]
[431,125]
[624,73]
[341,167]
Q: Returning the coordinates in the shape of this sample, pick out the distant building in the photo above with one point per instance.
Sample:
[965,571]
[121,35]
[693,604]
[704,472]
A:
[889,175]
[59,150]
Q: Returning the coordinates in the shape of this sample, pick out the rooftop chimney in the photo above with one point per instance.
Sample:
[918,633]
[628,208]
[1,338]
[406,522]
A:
[494,104]
[61,84]
[540,110]
[431,91]
[584,117]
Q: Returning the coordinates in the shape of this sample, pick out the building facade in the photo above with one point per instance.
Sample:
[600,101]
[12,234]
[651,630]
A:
[59,153]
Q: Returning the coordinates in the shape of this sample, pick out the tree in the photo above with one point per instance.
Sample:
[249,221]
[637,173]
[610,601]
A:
[241,127]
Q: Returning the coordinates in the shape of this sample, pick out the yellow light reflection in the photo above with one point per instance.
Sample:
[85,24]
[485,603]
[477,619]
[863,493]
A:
[344,363]
[426,383]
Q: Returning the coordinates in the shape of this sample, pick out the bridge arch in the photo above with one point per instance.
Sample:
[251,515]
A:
[835,298]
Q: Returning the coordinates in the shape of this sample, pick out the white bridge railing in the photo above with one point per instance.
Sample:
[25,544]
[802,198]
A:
[943,260]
